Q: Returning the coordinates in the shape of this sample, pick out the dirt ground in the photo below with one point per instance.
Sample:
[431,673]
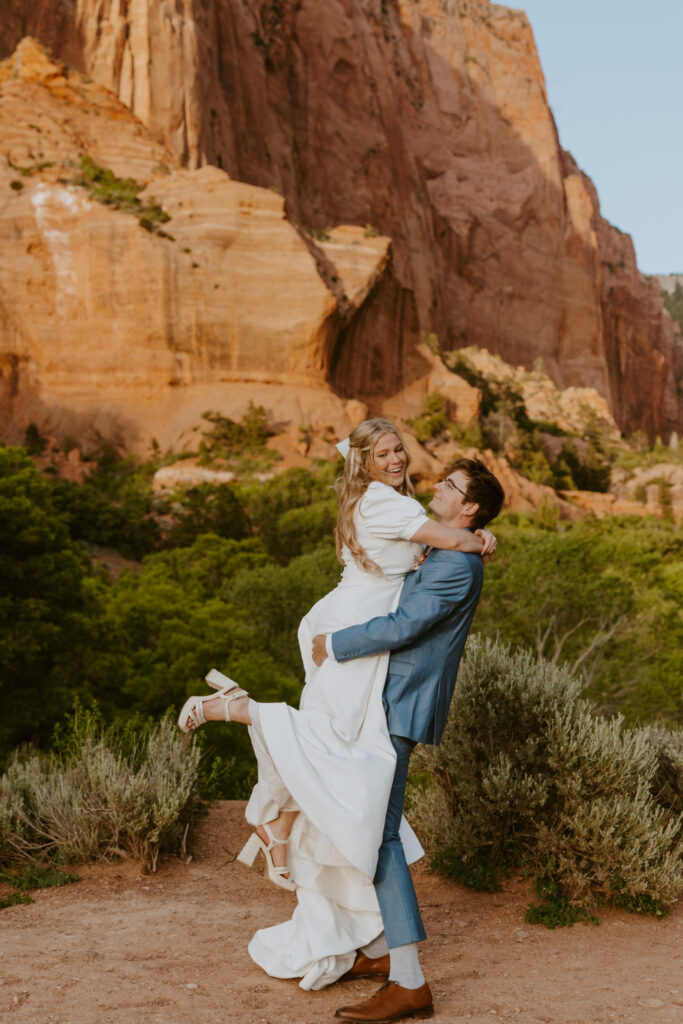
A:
[171,948]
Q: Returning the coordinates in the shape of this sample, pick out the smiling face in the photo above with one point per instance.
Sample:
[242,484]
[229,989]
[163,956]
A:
[449,504]
[389,460]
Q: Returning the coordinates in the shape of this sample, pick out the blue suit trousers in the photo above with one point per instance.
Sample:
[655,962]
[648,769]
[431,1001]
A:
[393,882]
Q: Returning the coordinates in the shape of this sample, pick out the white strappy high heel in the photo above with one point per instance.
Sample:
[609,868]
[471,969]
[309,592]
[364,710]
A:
[275,873]
[193,708]
[217,681]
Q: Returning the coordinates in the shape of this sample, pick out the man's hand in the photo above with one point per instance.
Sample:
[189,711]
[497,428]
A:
[489,542]
[319,649]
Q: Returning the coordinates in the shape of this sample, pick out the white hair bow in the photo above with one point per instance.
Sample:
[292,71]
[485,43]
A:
[343,447]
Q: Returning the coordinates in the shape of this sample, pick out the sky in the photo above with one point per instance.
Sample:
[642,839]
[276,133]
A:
[614,76]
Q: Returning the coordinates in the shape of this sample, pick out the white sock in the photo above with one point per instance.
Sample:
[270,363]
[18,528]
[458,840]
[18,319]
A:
[405,967]
[377,948]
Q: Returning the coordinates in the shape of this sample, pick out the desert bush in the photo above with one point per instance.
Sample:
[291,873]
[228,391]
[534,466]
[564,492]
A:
[240,446]
[528,774]
[103,792]
[31,876]
[433,418]
[667,782]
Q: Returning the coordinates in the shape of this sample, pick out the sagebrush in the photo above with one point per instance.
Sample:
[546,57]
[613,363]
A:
[527,774]
[101,793]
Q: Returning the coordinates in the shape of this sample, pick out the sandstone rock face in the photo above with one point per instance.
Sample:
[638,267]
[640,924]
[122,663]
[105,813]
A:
[429,121]
[462,399]
[181,475]
[112,331]
[602,505]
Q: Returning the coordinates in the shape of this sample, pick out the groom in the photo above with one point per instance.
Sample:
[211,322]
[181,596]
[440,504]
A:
[426,635]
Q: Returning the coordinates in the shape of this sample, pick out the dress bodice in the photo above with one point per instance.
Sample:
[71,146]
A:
[385,521]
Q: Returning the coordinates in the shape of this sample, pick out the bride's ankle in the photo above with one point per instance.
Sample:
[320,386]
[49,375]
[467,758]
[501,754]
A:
[214,710]
[282,825]
[239,711]
[275,831]
[278,850]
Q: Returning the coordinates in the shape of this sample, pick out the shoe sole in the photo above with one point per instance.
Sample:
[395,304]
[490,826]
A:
[362,977]
[427,1011]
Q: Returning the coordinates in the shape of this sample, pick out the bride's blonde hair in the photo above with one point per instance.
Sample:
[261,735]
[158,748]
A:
[359,472]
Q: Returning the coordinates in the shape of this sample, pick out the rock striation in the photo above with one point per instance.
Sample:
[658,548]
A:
[428,121]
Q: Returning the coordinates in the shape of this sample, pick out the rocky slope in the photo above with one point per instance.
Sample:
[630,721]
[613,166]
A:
[428,121]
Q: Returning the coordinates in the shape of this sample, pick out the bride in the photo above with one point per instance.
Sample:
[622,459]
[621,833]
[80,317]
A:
[325,770]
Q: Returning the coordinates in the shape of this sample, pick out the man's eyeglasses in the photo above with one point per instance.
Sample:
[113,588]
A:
[454,487]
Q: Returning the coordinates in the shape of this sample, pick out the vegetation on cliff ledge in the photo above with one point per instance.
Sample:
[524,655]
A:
[120,193]
[539,450]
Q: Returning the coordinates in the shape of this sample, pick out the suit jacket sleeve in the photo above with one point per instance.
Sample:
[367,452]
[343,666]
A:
[425,606]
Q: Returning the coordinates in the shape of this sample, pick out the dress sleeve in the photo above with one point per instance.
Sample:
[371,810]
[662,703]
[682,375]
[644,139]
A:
[390,515]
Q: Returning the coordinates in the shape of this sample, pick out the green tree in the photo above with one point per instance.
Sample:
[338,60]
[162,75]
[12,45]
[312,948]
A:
[604,597]
[590,470]
[208,508]
[49,608]
[295,489]
[94,517]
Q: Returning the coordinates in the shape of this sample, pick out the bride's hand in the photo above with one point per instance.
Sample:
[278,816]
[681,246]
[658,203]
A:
[489,541]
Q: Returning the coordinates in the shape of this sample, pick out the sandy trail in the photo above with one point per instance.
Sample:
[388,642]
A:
[122,948]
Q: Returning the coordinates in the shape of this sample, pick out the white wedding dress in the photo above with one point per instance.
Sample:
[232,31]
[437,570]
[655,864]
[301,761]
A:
[334,762]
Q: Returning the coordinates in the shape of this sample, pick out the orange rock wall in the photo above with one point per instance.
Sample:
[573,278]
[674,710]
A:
[427,120]
[109,330]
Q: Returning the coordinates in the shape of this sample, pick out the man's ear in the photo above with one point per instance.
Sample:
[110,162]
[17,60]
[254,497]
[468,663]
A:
[470,509]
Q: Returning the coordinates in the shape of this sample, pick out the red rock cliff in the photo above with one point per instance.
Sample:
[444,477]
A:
[428,121]
[113,328]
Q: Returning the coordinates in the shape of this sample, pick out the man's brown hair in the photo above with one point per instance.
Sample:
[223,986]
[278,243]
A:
[482,487]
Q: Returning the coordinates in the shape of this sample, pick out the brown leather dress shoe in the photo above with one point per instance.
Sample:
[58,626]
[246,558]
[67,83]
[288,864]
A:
[390,1003]
[364,967]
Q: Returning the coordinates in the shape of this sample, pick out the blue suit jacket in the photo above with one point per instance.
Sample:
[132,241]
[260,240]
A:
[426,634]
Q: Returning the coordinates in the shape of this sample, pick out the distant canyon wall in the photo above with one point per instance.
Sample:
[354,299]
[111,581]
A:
[428,121]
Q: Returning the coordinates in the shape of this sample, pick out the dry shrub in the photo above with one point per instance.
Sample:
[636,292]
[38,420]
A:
[102,793]
[667,785]
[528,774]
